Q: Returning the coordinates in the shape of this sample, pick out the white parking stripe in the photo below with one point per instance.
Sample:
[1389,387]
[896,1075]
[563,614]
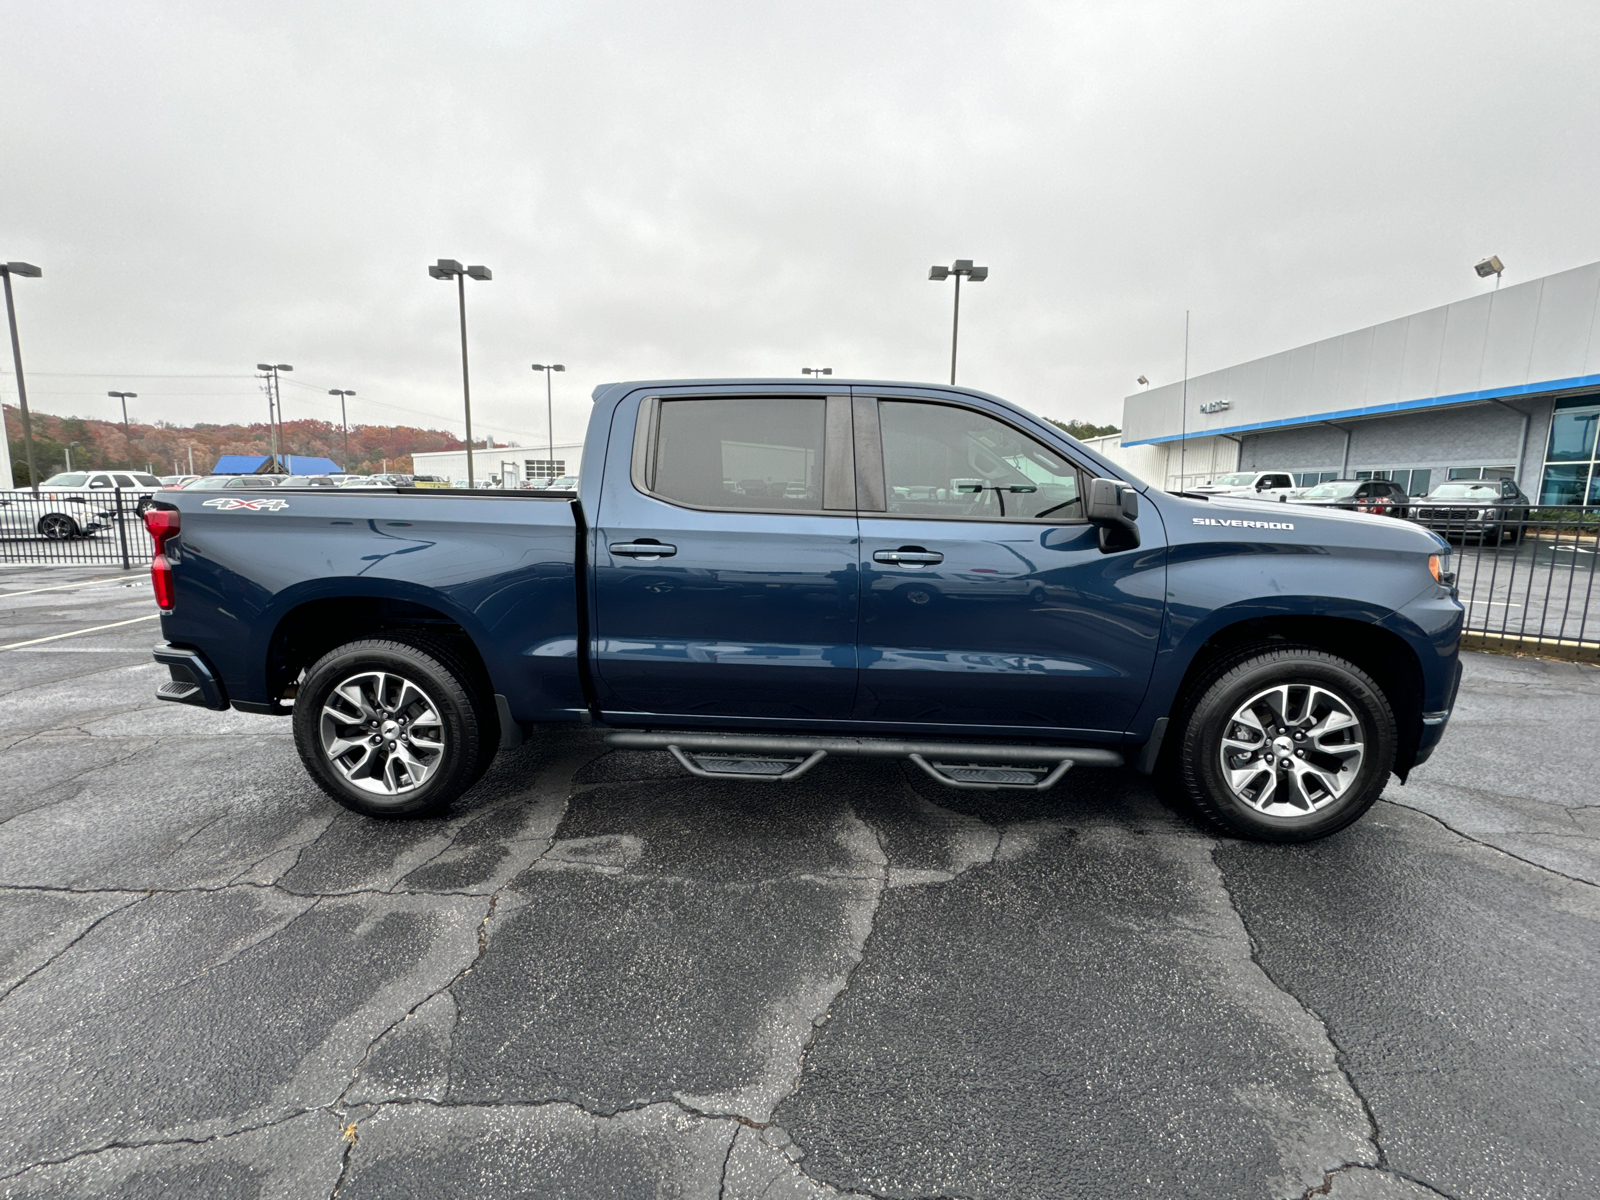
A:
[92,629]
[86,585]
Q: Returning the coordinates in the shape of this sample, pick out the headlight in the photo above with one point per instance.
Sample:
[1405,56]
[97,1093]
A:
[1439,567]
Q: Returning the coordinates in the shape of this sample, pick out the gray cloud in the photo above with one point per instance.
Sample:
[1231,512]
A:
[746,188]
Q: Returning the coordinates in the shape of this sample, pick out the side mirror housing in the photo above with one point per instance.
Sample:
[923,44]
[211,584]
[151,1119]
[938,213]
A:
[1114,507]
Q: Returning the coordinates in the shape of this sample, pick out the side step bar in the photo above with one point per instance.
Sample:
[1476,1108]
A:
[781,759]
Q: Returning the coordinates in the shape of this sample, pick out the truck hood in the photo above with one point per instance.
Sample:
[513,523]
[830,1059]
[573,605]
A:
[1311,524]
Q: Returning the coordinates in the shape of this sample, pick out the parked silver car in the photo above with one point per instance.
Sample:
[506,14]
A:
[54,516]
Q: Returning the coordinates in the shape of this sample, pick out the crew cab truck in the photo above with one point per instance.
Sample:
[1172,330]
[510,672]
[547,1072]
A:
[757,574]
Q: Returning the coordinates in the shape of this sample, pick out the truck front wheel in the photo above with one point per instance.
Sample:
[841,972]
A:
[1287,745]
[392,729]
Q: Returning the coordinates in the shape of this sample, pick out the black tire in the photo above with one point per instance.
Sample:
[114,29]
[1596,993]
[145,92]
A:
[1302,793]
[58,527]
[465,727]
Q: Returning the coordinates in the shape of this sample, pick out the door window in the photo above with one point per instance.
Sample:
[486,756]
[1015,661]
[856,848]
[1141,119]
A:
[125,481]
[944,461]
[739,453]
[1275,481]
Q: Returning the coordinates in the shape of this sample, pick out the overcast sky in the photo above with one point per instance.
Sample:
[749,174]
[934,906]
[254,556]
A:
[748,188]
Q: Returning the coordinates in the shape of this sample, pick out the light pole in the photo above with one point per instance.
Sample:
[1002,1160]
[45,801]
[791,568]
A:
[961,268]
[127,435]
[275,403]
[341,393]
[816,370]
[26,271]
[549,417]
[68,448]
[449,268]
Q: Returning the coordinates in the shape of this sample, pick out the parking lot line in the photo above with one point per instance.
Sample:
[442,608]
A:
[92,629]
[86,585]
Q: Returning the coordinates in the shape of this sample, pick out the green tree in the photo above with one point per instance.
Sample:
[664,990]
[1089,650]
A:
[1084,429]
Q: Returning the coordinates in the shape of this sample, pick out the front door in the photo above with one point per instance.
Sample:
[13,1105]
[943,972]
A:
[726,560]
[986,597]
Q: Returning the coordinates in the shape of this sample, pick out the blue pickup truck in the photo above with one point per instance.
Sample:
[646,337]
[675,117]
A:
[756,574]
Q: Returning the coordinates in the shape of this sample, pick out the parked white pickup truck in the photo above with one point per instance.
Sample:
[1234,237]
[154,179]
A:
[1259,485]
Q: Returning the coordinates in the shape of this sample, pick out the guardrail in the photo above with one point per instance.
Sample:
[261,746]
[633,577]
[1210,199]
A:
[78,527]
[1527,578]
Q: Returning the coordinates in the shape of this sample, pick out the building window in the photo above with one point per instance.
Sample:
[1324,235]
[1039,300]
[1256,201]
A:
[1570,473]
[544,468]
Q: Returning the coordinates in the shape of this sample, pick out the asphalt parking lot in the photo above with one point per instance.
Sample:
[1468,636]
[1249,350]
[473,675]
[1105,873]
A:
[602,978]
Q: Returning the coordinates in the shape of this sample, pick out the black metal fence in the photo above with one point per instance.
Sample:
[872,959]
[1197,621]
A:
[1527,578]
[75,527]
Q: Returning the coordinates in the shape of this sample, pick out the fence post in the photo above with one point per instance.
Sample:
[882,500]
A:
[122,533]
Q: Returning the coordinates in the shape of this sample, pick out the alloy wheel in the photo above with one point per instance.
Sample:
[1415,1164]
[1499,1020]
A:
[1292,749]
[57,527]
[382,733]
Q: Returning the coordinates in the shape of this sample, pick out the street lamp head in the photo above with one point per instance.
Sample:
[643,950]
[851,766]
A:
[285,367]
[26,270]
[816,370]
[962,266]
[447,268]
[977,274]
[482,273]
[1142,381]
[557,367]
[1489,266]
[938,272]
[263,366]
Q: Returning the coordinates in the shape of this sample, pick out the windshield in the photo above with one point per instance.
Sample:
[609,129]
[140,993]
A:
[73,479]
[1239,479]
[1465,491]
[1338,489]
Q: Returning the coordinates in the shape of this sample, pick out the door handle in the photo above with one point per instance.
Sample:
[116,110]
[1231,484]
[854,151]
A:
[908,556]
[642,549]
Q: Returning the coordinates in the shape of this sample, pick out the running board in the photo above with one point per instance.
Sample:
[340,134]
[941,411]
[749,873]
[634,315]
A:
[782,759]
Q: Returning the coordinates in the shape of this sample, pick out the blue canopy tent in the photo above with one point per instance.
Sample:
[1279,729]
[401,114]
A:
[266,464]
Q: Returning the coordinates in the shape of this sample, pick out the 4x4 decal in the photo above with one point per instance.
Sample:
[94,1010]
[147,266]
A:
[230,503]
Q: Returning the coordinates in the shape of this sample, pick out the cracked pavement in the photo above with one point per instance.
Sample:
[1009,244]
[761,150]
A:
[600,977]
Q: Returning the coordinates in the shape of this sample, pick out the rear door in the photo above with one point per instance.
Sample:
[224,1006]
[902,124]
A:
[986,597]
[726,558]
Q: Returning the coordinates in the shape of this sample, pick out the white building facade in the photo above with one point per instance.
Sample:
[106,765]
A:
[502,466]
[1502,384]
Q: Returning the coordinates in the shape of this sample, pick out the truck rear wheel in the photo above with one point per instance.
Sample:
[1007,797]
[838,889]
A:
[391,729]
[1287,745]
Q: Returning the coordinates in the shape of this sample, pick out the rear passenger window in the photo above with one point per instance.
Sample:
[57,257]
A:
[944,461]
[740,453]
[124,481]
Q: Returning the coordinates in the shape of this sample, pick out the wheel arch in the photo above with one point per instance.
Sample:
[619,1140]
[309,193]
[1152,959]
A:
[308,630]
[1384,655]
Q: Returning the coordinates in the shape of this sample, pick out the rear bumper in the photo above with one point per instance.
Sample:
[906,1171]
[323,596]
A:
[193,680]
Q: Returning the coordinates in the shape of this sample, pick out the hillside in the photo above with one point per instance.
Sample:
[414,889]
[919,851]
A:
[165,448]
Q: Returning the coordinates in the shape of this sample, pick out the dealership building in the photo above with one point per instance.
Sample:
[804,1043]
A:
[1505,384]
[502,466]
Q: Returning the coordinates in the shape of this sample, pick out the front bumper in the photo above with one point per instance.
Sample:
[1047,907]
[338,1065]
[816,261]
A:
[193,680]
[1433,723]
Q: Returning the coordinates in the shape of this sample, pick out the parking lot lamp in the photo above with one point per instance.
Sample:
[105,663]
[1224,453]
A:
[962,268]
[816,370]
[127,435]
[1492,265]
[449,268]
[26,271]
[275,408]
[343,424]
[549,417]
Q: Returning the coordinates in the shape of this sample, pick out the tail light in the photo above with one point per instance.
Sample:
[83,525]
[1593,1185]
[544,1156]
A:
[163,524]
